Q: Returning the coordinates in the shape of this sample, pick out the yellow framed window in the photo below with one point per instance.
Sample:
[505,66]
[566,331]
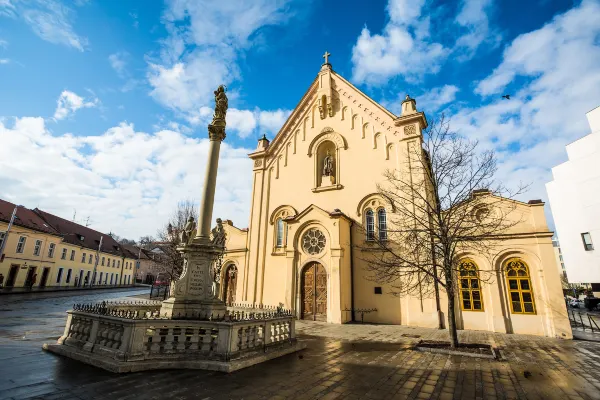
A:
[471,298]
[518,283]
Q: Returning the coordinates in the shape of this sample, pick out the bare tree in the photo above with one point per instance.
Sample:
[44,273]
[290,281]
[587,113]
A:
[444,202]
[167,259]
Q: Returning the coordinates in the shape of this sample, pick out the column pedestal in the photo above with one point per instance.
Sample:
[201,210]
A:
[195,293]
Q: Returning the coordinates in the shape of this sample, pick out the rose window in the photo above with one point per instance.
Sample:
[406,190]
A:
[313,241]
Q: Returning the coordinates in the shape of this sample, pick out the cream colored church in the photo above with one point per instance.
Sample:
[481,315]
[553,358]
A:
[314,196]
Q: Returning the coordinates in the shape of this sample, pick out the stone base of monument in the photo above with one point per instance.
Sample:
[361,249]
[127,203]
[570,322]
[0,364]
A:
[128,337]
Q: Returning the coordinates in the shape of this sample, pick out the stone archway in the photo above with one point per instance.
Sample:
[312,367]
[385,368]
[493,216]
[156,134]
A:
[230,284]
[314,292]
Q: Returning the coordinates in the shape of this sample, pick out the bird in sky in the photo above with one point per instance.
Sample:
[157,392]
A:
[506,96]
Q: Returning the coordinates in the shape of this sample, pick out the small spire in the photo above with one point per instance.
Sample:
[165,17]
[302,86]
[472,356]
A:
[409,106]
[263,143]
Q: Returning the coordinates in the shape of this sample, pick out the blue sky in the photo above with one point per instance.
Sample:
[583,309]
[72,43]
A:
[104,104]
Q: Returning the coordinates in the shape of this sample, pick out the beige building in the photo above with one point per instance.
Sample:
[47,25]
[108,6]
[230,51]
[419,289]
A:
[314,197]
[43,251]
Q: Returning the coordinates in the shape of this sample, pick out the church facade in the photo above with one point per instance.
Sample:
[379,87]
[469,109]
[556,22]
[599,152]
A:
[314,196]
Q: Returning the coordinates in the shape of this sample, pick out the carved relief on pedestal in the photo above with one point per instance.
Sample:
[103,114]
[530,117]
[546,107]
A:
[258,163]
[410,130]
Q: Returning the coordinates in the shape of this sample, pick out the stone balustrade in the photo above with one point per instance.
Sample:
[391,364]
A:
[125,340]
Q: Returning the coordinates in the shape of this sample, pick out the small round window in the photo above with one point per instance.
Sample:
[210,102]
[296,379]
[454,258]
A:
[313,241]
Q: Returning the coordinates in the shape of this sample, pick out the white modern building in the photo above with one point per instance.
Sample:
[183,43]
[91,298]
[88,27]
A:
[575,200]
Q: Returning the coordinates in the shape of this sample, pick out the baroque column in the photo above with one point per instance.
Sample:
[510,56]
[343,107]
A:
[196,292]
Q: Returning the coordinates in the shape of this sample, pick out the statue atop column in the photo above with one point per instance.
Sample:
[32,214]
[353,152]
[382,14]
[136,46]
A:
[221,105]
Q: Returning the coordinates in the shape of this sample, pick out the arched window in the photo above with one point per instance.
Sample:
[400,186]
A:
[280,232]
[370,222]
[470,286]
[382,224]
[519,287]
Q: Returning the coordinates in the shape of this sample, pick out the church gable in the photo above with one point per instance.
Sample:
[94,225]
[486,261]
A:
[332,110]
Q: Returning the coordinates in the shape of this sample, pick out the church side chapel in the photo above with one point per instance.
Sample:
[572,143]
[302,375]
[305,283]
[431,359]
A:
[315,204]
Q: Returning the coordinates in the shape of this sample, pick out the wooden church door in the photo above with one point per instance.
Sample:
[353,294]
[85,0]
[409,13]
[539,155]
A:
[314,292]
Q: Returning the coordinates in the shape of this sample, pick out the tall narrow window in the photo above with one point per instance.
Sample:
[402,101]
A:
[587,241]
[38,248]
[90,259]
[113,263]
[68,275]
[103,261]
[279,232]
[470,287]
[83,258]
[520,291]
[59,275]
[2,236]
[21,244]
[382,224]
[72,255]
[370,222]
[51,249]
[63,256]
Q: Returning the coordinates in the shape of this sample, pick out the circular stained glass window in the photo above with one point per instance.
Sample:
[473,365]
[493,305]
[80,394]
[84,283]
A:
[313,241]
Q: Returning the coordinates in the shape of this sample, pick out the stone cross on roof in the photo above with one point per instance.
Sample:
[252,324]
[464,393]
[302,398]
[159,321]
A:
[326,57]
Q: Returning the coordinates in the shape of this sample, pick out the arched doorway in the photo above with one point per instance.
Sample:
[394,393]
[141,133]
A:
[230,284]
[314,292]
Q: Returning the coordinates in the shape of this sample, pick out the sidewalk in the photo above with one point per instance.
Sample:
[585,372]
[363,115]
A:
[21,290]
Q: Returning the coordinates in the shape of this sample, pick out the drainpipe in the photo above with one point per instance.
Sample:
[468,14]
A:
[10,224]
[351,274]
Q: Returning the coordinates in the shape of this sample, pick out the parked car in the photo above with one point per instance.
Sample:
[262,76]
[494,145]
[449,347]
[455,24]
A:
[575,303]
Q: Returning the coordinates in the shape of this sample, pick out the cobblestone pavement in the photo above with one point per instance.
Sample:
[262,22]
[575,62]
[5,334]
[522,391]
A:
[341,361]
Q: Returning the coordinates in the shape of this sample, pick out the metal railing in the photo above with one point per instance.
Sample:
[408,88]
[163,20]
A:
[583,320]
[160,291]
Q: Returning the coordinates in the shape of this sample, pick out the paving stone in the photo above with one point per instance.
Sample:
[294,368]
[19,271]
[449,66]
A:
[341,361]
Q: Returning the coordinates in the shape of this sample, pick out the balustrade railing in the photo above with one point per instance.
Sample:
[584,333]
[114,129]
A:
[117,330]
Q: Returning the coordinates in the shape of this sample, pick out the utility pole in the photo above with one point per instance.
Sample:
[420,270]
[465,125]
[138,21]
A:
[3,244]
[96,263]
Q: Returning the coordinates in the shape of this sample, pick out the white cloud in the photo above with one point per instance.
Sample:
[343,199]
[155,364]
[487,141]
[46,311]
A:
[539,52]
[4,60]
[118,62]
[408,46]
[436,97]
[49,19]
[473,17]
[558,64]
[403,48]
[3,43]
[127,181]
[69,102]
[272,121]
[202,49]
[243,121]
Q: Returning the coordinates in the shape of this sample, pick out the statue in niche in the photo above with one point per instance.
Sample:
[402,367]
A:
[218,234]
[328,164]
[188,231]
[221,105]
[328,175]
